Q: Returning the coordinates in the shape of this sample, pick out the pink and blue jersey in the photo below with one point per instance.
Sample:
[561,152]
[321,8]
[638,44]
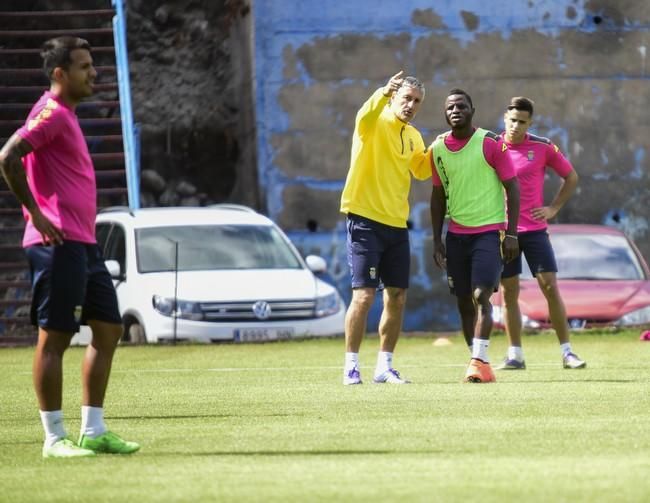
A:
[530,158]
[495,153]
[60,171]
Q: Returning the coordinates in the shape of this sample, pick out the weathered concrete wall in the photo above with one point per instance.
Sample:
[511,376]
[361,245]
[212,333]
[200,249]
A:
[582,61]
[192,96]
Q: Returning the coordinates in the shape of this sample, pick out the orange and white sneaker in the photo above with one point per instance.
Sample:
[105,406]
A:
[479,371]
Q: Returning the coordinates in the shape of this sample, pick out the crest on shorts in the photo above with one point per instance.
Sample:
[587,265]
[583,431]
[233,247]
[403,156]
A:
[373,272]
[77,313]
[531,155]
[450,281]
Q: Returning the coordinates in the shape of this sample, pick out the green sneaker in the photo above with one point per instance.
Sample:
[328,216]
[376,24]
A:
[108,443]
[66,448]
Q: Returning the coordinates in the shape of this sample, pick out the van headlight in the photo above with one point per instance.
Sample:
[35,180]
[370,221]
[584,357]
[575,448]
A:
[185,310]
[327,305]
[638,317]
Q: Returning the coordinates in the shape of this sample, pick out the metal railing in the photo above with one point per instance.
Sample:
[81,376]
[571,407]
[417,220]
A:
[129,134]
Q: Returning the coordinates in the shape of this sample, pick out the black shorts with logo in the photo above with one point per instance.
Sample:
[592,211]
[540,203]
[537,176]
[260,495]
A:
[473,260]
[377,252]
[70,285]
[536,247]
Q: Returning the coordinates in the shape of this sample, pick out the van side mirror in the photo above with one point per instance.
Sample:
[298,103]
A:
[114,269]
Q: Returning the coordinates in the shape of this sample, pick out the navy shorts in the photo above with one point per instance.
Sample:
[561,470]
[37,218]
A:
[536,246]
[473,260]
[70,285]
[377,252]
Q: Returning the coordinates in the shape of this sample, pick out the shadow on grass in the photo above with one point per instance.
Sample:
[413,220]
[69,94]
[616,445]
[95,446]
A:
[567,381]
[22,442]
[341,452]
[199,416]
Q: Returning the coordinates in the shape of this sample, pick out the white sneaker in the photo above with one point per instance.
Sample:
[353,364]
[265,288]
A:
[572,361]
[66,448]
[390,376]
[352,376]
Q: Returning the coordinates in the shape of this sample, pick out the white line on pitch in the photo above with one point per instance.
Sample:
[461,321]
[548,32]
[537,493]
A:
[282,369]
[277,369]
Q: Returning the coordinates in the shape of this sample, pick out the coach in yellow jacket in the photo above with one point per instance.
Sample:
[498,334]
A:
[386,150]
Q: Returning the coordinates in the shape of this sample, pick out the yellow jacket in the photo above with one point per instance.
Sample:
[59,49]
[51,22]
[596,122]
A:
[385,151]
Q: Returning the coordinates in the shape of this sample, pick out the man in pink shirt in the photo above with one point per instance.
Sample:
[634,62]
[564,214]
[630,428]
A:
[531,155]
[472,176]
[47,166]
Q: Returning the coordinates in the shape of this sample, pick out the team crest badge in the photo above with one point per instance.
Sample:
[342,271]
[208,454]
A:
[77,313]
[373,273]
[450,281]
[531,155]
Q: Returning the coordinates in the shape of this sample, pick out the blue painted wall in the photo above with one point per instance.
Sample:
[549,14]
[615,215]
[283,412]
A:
[582,61]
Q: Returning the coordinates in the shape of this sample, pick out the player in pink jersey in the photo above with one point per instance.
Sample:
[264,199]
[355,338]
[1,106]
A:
[47,166]
[531,155]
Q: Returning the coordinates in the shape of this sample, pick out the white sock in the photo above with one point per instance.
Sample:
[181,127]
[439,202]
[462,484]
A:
[516,353]
[53,425]
[565,348]
[384,362]
[479,349]
[351,360]
[92,421]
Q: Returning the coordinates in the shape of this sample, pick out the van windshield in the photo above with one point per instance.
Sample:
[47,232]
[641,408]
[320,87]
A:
[213,247]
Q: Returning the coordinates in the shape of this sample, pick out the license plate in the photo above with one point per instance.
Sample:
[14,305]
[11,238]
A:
[262,334]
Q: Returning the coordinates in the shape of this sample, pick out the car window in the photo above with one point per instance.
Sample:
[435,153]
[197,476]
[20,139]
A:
[212,247]
[116,247]
[102,230]
[594,256]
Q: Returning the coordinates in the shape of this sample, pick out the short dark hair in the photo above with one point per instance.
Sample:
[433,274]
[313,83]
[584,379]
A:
[522,104]
[56,52]
[456,90]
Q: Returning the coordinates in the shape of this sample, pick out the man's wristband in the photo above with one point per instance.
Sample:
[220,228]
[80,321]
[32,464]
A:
[513,236]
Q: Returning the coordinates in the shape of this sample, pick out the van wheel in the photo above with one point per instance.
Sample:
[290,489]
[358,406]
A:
[134,332]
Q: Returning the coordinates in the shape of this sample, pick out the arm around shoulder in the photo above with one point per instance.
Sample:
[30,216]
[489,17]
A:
[422,160]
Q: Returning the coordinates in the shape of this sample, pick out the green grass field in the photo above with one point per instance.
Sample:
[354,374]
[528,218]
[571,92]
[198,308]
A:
[272,422]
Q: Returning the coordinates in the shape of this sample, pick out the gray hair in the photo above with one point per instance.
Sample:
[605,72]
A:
[414,83]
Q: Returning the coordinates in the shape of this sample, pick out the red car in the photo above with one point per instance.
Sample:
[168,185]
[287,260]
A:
[603,279]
